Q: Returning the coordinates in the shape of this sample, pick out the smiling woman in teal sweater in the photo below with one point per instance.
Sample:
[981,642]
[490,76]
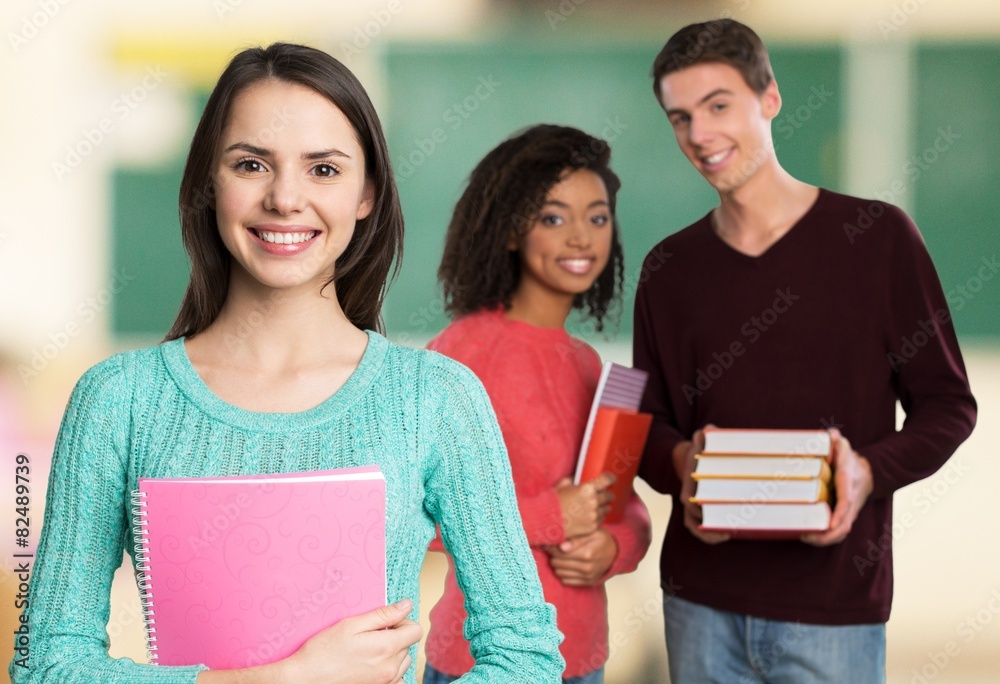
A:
[273,365]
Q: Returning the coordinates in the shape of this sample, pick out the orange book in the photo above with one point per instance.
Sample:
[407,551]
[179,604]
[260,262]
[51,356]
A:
[617,439]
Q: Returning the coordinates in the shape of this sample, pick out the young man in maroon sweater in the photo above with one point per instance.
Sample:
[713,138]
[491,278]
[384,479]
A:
[787,306]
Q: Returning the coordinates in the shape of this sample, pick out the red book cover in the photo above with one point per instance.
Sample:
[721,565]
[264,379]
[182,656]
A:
[616,443]
[768,535]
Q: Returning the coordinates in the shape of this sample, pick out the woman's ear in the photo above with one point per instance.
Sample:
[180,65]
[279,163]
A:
[367,200]
[512,241]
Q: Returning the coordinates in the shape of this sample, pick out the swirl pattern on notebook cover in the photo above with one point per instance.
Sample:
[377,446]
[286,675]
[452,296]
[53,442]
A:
[242,571]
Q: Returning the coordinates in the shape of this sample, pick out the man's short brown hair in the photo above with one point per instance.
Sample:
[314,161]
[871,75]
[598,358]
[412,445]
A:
[722,40]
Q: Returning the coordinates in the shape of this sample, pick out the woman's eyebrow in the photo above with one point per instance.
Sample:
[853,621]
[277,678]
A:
[247,147]
[332,152]
[262,152]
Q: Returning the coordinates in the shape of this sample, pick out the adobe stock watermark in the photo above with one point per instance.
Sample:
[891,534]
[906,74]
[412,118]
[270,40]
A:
[250,321]
[922,162]
[877,548]
[727,13]
[927,330]
[966,630]
[751,164]
[749,509]
[121,108]
[126,616]
[32,24]
[87,312]
[752,330]
[455,116]
[633,623]
[312,602]
[713,29]
[917,166]
[224,7]
[214,529]
[928,494]
[792,120]
[446,638]
[371,29]
[653,262]
[898,17]
[420,320]
[959,295]
[225,518]
[565,10]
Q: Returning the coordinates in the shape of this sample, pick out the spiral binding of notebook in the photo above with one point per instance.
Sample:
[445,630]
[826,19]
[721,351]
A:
[142,579]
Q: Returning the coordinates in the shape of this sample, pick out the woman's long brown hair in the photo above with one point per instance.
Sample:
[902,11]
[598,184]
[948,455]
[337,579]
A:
[362,271]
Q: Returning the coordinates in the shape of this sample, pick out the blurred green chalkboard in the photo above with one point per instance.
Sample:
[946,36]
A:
[147,246]
[146,243]
[956,178]
[447,106]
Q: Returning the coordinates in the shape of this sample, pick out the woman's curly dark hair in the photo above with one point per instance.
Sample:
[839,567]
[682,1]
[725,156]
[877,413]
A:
[505,193]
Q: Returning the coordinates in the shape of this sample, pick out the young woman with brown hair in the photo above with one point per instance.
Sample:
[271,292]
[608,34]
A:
[290,216]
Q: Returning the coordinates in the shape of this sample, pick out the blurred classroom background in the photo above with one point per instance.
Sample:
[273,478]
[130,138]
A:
[892,99]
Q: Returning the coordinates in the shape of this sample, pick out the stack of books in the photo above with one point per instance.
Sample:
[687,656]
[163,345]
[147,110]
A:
[764,484]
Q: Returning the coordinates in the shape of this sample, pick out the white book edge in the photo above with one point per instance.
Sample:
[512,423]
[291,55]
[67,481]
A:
[594,406]
[276,479]
[290,480]
[726,490]
[720,442]
[784,467]
[765,516]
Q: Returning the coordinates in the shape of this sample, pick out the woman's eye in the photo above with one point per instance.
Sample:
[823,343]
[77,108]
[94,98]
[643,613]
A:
[601,220]
[325,170]
[248,166]
[719,106]
[550,220]
[679,120]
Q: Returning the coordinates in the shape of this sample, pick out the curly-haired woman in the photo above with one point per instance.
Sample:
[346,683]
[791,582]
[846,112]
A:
[534,236]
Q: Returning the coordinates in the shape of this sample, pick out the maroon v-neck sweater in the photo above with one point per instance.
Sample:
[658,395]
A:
[828,328]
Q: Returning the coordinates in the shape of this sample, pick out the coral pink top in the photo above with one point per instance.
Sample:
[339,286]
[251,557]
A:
[541,382]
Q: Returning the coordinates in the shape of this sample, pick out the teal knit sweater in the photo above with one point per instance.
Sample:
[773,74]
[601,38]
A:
[424,419]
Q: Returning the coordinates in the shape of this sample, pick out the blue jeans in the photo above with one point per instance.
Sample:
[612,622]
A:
[706,646]
[432,676]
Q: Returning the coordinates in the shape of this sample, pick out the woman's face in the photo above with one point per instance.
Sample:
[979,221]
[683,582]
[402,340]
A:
[289,185]
[568,244]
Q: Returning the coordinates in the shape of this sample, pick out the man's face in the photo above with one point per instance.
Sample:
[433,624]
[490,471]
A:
[722,126]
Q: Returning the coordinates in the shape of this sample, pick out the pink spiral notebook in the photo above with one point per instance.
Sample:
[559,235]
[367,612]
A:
[240,571]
